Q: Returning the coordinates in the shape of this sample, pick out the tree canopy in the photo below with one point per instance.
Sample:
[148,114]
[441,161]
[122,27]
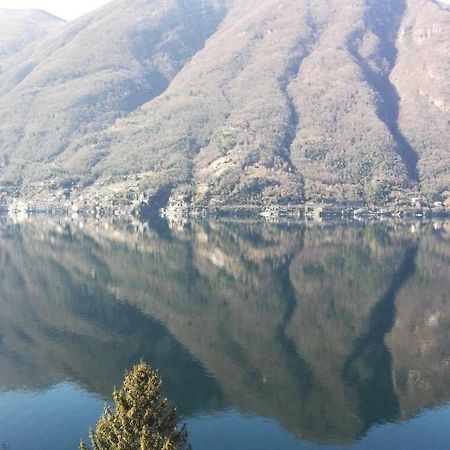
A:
[142,418]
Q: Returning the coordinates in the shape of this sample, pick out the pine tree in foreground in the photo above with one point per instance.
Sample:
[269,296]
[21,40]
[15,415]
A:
[142,419]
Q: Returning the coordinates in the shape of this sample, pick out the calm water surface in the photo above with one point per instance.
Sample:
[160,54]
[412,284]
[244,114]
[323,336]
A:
[267,336]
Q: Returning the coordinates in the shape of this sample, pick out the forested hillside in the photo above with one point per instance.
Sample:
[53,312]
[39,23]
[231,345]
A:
[225,102]
[21,28]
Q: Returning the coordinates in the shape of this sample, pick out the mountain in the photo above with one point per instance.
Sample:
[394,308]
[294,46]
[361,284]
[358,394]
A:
[231,102]
[21,28]
[421,76]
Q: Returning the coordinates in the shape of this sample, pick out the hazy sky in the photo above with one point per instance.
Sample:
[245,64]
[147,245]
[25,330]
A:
[67,9]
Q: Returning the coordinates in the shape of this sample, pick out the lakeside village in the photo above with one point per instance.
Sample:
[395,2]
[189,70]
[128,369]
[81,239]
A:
[113,200]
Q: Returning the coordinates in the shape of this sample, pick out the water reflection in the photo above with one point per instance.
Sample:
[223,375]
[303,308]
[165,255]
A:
[326,331]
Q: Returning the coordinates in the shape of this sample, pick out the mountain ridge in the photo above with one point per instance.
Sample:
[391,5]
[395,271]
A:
[221,103]
[22,27]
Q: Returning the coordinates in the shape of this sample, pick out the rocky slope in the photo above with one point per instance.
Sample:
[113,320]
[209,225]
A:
[421,77]
[220,102]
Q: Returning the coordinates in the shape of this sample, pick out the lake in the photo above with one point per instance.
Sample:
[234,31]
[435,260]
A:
[267,336]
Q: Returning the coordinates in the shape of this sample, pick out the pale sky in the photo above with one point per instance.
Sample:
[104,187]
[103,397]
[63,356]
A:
[67,9]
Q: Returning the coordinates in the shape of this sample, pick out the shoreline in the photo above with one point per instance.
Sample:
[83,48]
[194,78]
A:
[305,213]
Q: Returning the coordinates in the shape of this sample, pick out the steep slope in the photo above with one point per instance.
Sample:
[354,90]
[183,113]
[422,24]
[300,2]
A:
[20,28]
[422,78]
[347,142]
[96,69]
[223,126]
[263,107]
[219,102]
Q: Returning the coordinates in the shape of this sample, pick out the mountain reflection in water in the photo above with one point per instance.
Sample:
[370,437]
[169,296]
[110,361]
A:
[326,331]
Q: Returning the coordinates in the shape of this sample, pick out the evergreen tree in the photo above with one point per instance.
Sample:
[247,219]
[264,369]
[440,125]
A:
[142,418]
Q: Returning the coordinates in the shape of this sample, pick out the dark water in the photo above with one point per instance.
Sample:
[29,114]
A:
[267,336]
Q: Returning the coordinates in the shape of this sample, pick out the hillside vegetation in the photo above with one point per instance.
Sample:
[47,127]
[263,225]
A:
[225,102]
[23,27]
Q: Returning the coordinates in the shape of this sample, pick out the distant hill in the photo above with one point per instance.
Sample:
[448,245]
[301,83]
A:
[19,28]
[222,102]
[444,3]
